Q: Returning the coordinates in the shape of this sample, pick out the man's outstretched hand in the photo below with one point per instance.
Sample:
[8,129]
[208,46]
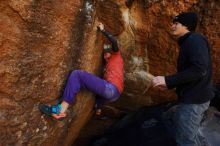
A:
[159,81]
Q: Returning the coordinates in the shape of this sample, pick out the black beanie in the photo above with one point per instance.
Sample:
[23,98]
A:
[188,19]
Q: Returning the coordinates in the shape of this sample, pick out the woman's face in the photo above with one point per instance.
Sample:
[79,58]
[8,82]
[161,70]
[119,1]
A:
[107,55]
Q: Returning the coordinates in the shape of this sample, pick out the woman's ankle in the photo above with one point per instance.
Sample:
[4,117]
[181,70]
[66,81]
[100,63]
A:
[64,107]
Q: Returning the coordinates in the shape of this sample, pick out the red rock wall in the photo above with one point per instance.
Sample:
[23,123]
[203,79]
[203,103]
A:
[42,41]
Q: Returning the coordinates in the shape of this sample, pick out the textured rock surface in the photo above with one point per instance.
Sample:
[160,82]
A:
[42,41]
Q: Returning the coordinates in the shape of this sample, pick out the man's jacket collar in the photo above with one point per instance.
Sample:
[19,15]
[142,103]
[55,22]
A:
[184,37]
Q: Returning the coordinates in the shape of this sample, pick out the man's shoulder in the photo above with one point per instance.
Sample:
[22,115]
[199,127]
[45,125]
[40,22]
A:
[196,37]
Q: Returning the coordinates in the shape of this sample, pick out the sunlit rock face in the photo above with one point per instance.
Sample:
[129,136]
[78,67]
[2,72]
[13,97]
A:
[41,42]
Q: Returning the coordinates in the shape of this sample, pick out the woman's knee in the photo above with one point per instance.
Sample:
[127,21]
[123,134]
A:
[76,73]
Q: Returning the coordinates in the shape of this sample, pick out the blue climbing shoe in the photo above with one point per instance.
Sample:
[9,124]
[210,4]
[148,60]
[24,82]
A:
[53,111]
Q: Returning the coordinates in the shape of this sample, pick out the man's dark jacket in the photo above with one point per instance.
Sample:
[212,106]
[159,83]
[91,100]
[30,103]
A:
[194,70]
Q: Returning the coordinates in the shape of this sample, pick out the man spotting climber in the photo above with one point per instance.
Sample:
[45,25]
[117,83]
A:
[192,82]
[107,89]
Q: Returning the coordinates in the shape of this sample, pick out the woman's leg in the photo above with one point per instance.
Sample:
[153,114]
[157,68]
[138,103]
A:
[77,80]
[82,79]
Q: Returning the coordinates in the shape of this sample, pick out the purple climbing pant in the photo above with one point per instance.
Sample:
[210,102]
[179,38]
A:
[81,79]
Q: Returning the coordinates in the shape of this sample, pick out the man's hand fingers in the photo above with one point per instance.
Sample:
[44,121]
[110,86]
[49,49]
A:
[156,84]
